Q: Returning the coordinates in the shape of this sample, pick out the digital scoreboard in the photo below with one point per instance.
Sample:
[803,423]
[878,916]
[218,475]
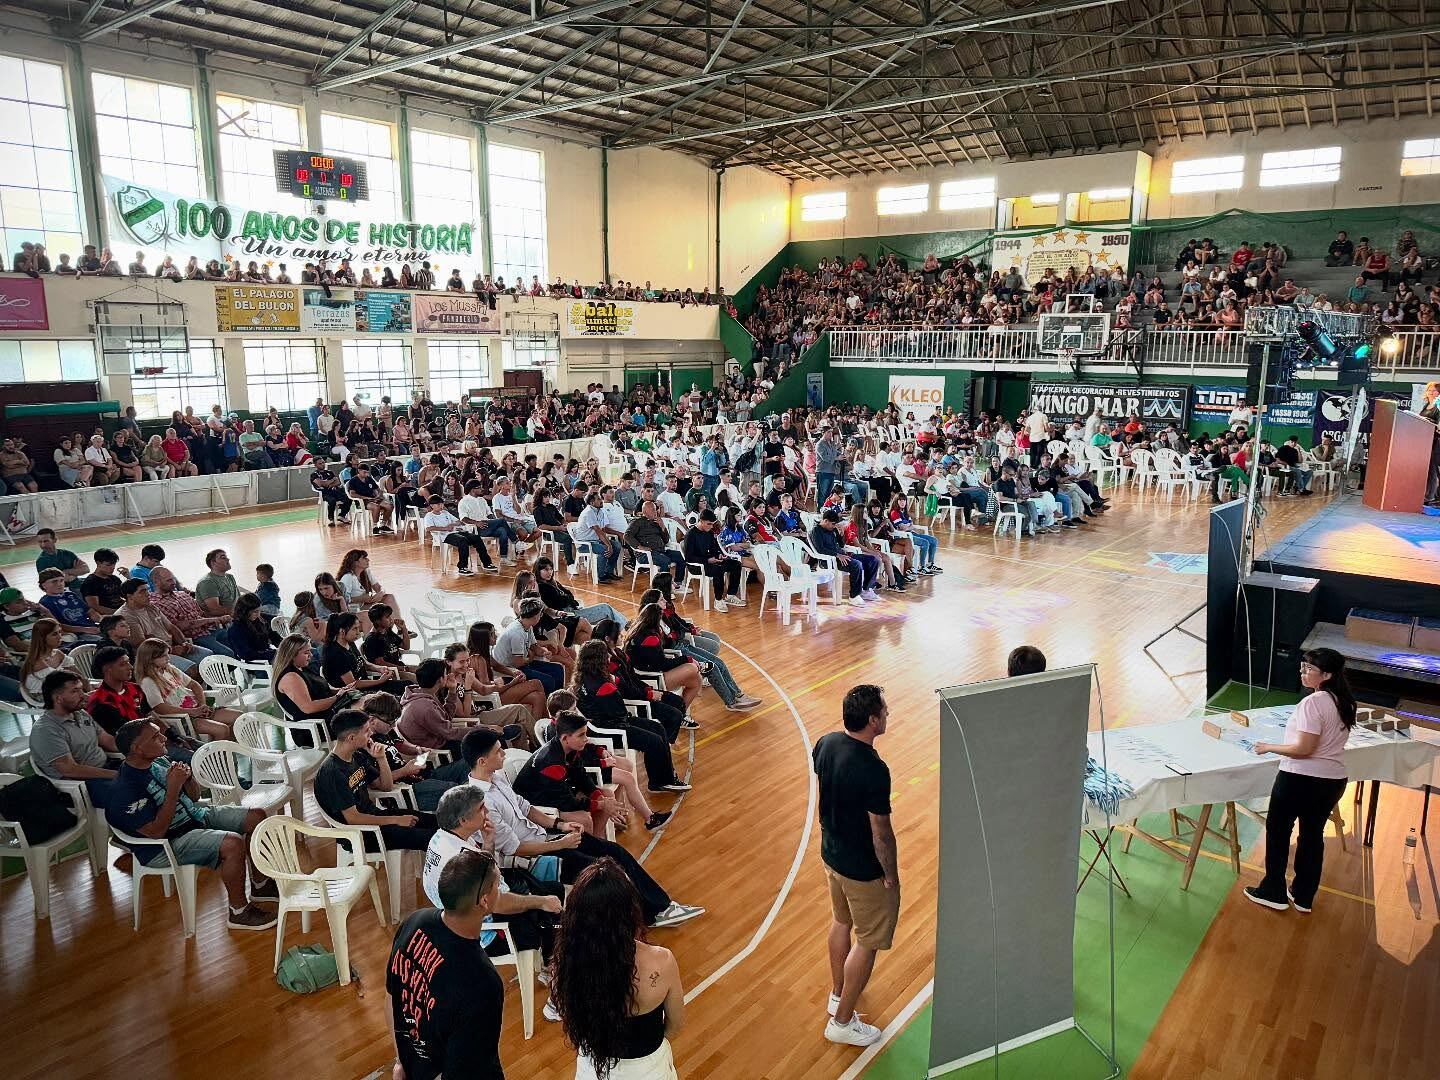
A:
[319,176]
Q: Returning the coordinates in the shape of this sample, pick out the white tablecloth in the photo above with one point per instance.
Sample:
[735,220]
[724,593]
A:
[1177,764]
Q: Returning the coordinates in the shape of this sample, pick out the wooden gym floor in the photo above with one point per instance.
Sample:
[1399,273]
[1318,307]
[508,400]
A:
[1351,991]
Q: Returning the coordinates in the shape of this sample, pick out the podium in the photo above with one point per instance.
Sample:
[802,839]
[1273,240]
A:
[1399,459]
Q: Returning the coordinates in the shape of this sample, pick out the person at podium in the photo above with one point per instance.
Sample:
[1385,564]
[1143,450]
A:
[1430,410]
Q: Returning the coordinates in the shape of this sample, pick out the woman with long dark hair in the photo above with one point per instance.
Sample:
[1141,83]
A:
[493,677]
[645,646]
[620,998]
[668,709]
[600,698]
[1309,784]
[701,646]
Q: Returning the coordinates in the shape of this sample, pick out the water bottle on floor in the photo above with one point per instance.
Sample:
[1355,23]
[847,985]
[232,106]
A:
[1410,843]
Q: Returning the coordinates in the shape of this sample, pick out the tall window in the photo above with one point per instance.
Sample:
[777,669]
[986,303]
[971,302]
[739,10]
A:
[47,361]
[517,213]
[443,170]
[1286,167]
[38,203]
[288,373]
[250,132]
[1208,174]
[457,366]
[1421,158]
[147,133]
[374,144]
[909,199]
[968,194]
[823,206]
[156,396]
[377,369]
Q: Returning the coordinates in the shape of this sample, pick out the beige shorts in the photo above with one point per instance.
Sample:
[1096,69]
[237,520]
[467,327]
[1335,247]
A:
[868,907]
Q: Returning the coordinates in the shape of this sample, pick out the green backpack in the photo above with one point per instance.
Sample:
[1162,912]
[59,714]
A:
[305,969]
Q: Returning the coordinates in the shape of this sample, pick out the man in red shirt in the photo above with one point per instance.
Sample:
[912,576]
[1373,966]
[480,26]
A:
[1241,257]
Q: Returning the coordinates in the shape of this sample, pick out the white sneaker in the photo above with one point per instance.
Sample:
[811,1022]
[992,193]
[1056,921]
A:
[721,606]
[855,1033]
[676,914]
[745,701]
[833,1004]
[871,595]
[735,601]
[550,1012]
[572,569]
[857,601]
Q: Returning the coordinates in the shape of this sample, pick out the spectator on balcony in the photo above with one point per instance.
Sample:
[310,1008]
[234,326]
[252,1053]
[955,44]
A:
[1377,268]
[167,270]
[1240,257]
[1187,255]
[1341,251]
[1412,265]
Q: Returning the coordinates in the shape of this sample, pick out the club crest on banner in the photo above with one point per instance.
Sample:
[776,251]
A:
[142,214]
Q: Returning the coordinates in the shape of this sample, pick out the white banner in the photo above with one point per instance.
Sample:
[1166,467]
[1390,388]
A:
[923,395]
[1103,248]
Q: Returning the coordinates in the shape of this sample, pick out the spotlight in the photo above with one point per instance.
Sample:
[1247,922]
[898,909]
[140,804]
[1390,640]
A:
[1322,348]
[1390,345]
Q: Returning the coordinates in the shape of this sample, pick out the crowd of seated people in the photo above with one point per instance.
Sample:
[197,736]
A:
[1211,292]
[218,442]
[32,259]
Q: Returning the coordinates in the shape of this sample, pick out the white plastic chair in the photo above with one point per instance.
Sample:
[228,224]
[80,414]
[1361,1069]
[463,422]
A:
[437,541]
[258,731]
[1144,462]
[279,624]
[1100,465]
[1168,472]
[393,861]
[435,629]
[274,847]
[774,583]
[168,871]
[644,560]
[583,555]
[15,724]
[237,684]
[38,857]
[360,523]
[826,571]
[550,546]
[1009,513]
[83,657]
[1123,468]
[1055,447]
[526,963]
[216,766]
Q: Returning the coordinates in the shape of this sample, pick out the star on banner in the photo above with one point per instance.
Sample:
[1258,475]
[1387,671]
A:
[1062,236]
[1102,256]
[1082,237]
[1038,240]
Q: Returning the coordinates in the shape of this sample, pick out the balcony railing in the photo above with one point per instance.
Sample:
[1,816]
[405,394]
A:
[1415,352]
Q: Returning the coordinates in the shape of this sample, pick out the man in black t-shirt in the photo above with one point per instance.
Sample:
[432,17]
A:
[342,787]
[103,588]
[385,645]
[362,486]
[857,845]
[1297,482]
[445,998]
[327,485]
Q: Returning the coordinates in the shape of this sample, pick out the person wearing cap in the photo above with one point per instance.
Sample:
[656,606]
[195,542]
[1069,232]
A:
[862,567]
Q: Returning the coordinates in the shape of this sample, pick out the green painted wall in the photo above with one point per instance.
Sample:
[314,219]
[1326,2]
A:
[871,386]
[1305,234]
[737,341]
[910,246]
[790,391]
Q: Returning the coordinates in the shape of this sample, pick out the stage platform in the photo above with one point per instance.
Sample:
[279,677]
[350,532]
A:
[1363,558]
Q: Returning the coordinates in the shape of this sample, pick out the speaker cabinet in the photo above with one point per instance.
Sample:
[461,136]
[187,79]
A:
[1275,616]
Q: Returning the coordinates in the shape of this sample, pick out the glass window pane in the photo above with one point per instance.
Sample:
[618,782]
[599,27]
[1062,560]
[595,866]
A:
[142,99]
[11,369]
[42,360]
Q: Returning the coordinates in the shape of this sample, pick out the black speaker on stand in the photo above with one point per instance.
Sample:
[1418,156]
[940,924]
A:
[1274,617]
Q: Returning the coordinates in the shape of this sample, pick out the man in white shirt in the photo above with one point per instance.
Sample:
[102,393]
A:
[439,520]
[1037,426]
[361,410]
[594,531]
[477,517]
[615,519]
[526,831]
[1242,416]
[517,647]
[508,509]
[672,504]
[1092,425]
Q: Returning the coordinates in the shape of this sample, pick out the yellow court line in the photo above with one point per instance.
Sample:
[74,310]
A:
[770,708]
[1260,870]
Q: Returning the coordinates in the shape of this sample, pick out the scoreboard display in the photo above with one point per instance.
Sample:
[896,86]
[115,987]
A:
[319,177]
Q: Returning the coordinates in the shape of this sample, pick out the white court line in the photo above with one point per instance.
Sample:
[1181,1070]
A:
[892,1029]
[811,797]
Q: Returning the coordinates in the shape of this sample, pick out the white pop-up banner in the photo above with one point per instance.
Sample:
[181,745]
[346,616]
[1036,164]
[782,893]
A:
[923,395]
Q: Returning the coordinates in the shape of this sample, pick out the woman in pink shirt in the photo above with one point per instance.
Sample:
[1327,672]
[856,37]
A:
[1309,784]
